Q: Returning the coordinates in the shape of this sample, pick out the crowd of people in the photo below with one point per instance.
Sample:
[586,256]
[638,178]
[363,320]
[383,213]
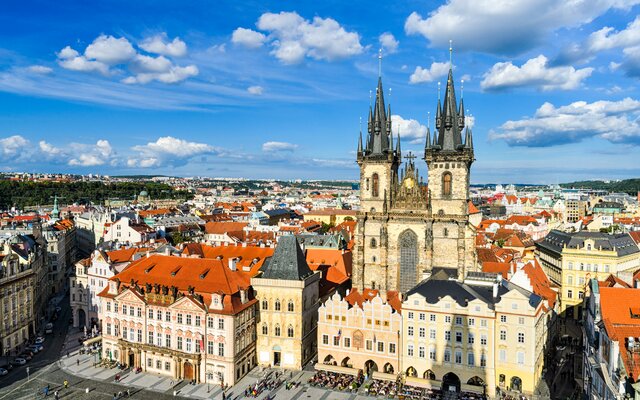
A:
[271,381]
[382,388]
[416,393]
[332,380]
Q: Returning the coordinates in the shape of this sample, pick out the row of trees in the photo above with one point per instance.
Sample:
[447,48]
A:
[27,194]
[631,186]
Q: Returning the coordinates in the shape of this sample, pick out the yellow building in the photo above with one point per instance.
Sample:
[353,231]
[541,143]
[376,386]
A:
[474,335]
[330,216]
[287,292]
[571,259]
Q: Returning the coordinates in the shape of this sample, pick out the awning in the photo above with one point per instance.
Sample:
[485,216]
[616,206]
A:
[471,388]
[92,340]
[384,377]
[423,383]
[337,369]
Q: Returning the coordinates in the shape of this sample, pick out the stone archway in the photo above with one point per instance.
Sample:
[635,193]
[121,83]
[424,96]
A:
[475,381]
[330,360]
[346,362]
[516,384]
[82,318]
[412,372]
[370,367]
[429,374]
[388,368]
[450,382]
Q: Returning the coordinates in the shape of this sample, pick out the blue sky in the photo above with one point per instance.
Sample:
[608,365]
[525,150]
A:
[275,89]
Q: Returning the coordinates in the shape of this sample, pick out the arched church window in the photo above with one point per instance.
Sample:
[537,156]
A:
[446,184]
[373,243]
[374,185]
[373,259]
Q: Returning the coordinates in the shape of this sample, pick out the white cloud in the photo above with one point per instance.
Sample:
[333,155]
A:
[160,44]
[248,38]
[175,74]
[409,129]
[70,59]
[144,63]
[49,150]
[169,150]
[109,50]
[14,148]
[505,27]
[435,71]
[293,38]
[39,69]
[388,42]
[89,155]
[278,146]
[535,72]
[615,121]
[255,90]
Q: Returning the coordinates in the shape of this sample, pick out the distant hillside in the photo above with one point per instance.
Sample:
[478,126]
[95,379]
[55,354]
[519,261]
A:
[631,186]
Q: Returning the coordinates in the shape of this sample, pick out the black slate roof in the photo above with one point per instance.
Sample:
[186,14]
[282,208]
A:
[434,289]
[288,261]
[622,243]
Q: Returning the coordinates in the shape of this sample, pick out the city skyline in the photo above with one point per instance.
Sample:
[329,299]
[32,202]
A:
[269,91]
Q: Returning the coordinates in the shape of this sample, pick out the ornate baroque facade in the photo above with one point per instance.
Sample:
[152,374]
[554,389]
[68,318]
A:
[405,228]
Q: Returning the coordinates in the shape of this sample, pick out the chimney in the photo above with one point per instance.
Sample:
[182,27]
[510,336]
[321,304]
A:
[495,289]
[232,263]
[167,251]
[148,253]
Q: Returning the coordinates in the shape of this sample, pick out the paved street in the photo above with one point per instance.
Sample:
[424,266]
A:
[60,360]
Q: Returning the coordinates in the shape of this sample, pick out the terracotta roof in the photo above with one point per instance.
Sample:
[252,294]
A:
[335,264]
[247,257]
[635,235]
[540,282]
[502,268]
[355,298]
[473,209]
[124,255]
[616,306]
[521,220]
[613,281]
[205,275]
[159,211]
[220,228]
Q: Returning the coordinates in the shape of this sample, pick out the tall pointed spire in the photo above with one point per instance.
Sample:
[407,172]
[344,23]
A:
[427,145]
[449,130]
[398,150]
[360,152]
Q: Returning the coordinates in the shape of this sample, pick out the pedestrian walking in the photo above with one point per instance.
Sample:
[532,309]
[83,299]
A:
[78,362]
[128,393]
[66,384]
[115,396]
[55,395]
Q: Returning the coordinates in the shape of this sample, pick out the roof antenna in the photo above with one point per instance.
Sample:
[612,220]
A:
[450,54]
[380,63]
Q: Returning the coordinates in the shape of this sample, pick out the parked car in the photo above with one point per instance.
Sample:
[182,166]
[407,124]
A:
[8,366]
[19,361]
[33,348]
[26,356]
[39,346]
[3,372]
[39,340]
[48,328]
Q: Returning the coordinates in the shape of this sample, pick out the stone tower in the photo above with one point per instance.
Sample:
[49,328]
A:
[449,162]
[405,228]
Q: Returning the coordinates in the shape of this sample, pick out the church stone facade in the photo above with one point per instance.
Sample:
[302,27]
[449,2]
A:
[407,228]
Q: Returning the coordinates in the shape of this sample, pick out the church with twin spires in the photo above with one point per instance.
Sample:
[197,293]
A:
[407,228]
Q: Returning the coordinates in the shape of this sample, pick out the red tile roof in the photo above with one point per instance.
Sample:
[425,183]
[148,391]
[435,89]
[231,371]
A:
[355,298]
[616,306]
[205,275]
